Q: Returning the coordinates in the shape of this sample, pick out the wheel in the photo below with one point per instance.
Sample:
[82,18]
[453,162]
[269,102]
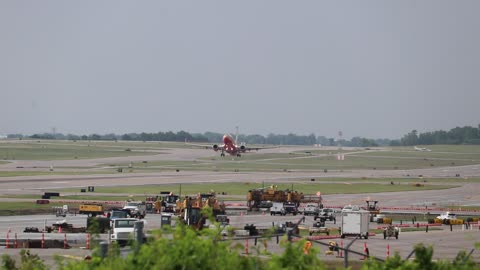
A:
[366,236]
[384,235]
[396,235]
[342,236]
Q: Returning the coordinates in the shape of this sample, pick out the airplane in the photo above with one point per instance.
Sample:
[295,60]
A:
[230,146]
[421,149]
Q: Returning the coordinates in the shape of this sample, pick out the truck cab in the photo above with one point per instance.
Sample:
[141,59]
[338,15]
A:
[122,230]
[290,208]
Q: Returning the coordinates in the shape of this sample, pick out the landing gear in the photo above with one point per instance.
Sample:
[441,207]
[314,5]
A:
[238,155]
[222,154]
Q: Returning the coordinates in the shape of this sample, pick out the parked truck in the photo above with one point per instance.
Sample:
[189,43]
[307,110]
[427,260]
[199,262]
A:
[355,223]
[290,208]
[311,209]
[135,209]
[91,209]
[277,209]
[122,230]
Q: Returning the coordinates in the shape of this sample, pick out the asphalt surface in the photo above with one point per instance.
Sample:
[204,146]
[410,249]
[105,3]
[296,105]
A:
[446,243]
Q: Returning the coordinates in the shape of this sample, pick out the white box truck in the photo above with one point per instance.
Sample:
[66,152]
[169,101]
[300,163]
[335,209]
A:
[355,223]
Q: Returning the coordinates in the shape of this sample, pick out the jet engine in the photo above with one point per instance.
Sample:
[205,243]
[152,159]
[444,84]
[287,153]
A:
[242,148]
[215,147]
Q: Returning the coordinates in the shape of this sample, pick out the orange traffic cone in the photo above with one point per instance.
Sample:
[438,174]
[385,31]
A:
[365,251]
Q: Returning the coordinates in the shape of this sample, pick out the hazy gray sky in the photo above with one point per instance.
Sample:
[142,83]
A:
[368,68]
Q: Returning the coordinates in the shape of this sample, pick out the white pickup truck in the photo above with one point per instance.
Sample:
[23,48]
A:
[311,209]
[277,209]
[447,215]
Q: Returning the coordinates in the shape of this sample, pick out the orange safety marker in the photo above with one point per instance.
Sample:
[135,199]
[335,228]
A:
[15,243]
[65,243]
[365,250]
[246,246]
[7,241]
[388,250]
[88,241]
[341,250]
[43,240]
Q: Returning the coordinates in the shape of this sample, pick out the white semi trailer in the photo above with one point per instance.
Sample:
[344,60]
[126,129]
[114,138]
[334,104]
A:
[355,223]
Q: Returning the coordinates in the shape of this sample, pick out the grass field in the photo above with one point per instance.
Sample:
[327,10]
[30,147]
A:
[389,158]
[342,187]
[287,162]
[57,151]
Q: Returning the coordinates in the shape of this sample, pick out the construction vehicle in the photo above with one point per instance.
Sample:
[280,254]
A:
[390,231]
[190,209]
[373,208]
[136,209]
[210,200]
[319,227]
[91,209]
[257,197]
[190,212]
[122,230]
[169,201]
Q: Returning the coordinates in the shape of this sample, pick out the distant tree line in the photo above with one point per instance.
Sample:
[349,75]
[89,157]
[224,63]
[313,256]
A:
[212,137]
[458,135]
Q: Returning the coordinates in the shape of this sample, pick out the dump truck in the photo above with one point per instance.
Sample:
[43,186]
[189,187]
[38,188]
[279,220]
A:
[91,209]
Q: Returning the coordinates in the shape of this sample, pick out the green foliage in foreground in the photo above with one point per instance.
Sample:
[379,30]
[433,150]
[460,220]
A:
[423,260]
[184,248]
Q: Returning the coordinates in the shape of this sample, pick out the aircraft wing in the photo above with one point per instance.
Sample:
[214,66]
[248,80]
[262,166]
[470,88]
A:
[205,146]
[249,148]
